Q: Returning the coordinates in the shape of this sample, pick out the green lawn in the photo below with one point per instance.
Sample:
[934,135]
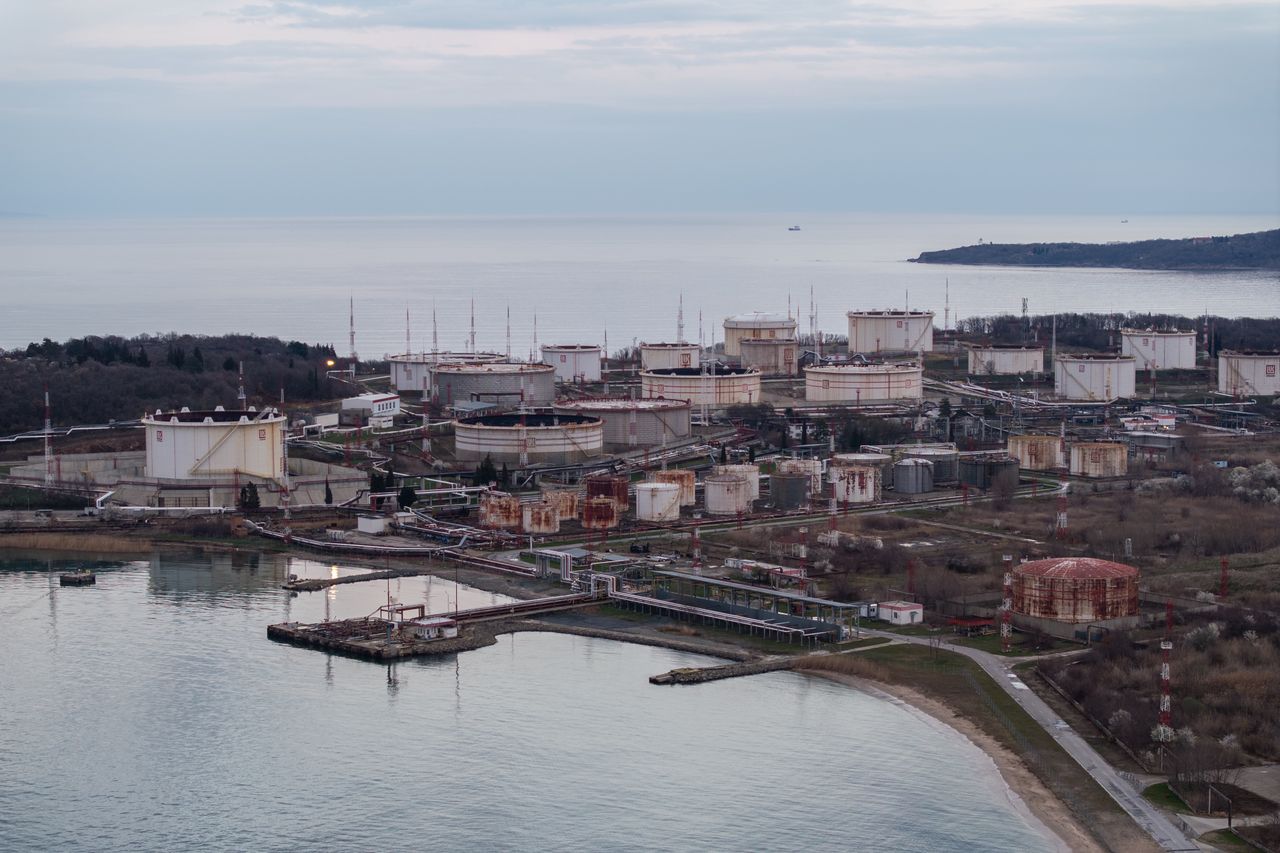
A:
[1226,839]
[1164,797]
[991,643]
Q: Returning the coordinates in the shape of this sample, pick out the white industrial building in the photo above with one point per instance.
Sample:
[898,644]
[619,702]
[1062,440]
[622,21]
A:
[901,612]
[575,363]
[756,325]
[372,410]
[1249,372]
[719,386]
[890,331]
[1159,350]
[665,356]
[1094,377]
[1005,360]
[864,383]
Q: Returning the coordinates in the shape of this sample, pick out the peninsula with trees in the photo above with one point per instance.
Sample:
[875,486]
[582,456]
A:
[1259,250]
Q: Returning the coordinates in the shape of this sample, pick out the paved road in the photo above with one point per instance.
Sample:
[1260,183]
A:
[1148,816]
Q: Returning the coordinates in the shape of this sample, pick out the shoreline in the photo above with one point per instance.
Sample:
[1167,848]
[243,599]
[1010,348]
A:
[1037,805]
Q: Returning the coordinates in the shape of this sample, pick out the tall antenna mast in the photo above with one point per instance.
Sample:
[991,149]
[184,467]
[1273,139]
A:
[508,333]
[408,348]
[435,332]
[351,332]
[813,317]
[48,437]
[680,321]
[473,324]
[535,334]
[240,395]
[946,311]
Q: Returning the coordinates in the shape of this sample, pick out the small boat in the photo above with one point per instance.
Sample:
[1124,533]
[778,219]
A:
[794,228]
[83,577]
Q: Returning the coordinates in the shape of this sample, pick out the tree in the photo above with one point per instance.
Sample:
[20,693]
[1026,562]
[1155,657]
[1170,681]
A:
[407,497]
[249,498]
[724,454]
[328,492]
[486,472]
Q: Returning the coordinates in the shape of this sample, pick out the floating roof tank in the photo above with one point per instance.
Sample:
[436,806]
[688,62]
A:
[756,325]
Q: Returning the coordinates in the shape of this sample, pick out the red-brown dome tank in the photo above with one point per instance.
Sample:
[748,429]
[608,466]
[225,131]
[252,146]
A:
[1075,589]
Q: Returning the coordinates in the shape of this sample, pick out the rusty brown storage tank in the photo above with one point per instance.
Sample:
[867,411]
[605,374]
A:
[499,510]
[1037,452]
[565,500]
[1100,459]
[1075,589]
[609,487]
[685,478]
[540,517]
[599,513]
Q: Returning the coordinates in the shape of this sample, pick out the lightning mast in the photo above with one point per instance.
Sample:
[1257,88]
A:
[680,321]
[407,347]
[435,332]
[240,394]
[508,333]
[1164,728]
[48,438]
[351,328]
[473,324]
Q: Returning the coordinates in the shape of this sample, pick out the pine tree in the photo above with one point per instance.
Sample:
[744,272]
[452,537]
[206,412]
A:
[328,492]
[486,472]
[407,497]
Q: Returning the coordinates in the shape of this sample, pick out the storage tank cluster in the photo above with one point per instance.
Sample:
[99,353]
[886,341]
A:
[1005,360]
[1249,372]
[864,383]
[719,386]
[756,325]
[634,423]
[1094,377]
[1159,350]
[574,363]
[890,331]
[945,461]
[509,383]
[772,357]
[986,470]
[529,438]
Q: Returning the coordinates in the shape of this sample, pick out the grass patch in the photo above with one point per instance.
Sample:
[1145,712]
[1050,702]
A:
[1226,839]
[1166,798]
[1019,647]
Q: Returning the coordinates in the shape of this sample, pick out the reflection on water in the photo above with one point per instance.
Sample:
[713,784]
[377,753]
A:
[151,713]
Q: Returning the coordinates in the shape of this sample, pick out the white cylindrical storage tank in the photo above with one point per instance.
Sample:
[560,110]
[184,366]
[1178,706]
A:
[726,494]
[411,372]
[1094,377]
[510,383]
[657,502]
[772,357]
[946,462]
[1161,350]
[809,467]
[756,325]
[749,471]
[1100,459]
[578,363]
[890,331]
[864,383]
[999,360]
[664,356]
[215,445]
[635,423]
[883,461]
[856,484]
[913,476]
[1037,452]
[719,386]
[1249,372]
[531,438]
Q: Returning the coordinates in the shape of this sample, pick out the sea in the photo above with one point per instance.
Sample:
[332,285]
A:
[151,713]
[607,279]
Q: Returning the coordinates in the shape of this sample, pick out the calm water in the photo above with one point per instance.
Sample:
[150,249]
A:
[582,277]
[151,713]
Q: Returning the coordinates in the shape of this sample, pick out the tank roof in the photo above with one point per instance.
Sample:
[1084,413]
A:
[1250,353]
[575,347]
[1076,568]
[622,404]
[494,367]
[1013,347]
[889,312]
[667,345]
[712,370]
[1094,356]
[760,318]
[437,357]
[217,416]
[1130,331]
[871,367]
[531,421]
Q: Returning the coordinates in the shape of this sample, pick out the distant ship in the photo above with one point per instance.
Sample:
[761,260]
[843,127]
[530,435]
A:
[794,228]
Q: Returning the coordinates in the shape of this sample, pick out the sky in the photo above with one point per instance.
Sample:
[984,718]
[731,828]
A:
[134,108]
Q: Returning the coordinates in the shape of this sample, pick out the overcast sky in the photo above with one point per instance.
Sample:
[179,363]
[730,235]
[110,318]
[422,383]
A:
[335,107]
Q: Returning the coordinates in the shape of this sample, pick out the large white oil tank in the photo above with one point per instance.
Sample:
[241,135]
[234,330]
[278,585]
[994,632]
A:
[662,356]
[756,325]
[1100,459]
[634,423]
[215,445]
[657,502]
[1002,360]
[856,484]
[890,331]
[726,494]
[1161,350]
[528,438]
[750,471]
[511,383]
[719,386]
[1249,372]
[577,363]
[864,383]
[411,372]
[773,357]
[1094,377]
[1037,452]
